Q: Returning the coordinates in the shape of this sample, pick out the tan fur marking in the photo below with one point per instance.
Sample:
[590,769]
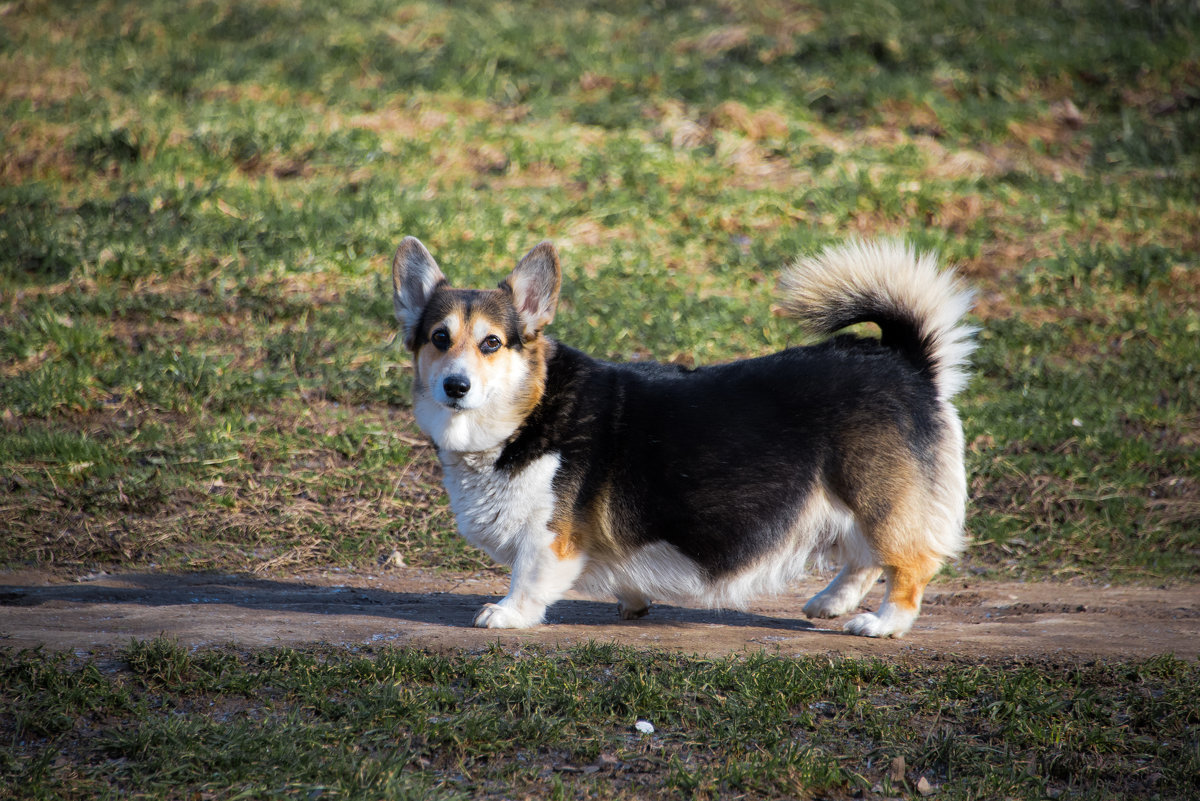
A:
[588,532]
[876,472]
[564,545]
[598,533]
[889,494]
[906,582]
[537,354]
[465,343]
[901,543]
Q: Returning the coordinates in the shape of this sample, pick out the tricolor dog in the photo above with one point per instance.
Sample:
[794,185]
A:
[651,482]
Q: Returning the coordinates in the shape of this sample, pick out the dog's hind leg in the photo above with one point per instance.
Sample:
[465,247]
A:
[632,605]
[851,585]
[902,602]
[844,593]
[910,521]
[911,540]
[541,575]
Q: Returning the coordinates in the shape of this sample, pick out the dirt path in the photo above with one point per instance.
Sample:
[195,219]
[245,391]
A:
[412,607]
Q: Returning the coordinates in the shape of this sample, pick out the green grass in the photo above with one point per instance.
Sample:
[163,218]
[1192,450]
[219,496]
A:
[198,201]
[157,720]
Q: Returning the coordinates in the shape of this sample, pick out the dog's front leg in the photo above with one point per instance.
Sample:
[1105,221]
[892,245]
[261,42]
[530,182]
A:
[541,575]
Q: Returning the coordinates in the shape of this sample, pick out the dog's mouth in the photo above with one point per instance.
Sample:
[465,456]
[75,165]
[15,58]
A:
[454,404]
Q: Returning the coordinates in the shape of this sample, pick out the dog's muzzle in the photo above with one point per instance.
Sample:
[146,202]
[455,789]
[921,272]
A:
[456,386]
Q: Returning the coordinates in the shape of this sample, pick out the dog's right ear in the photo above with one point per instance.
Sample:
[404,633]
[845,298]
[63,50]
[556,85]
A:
[415,275]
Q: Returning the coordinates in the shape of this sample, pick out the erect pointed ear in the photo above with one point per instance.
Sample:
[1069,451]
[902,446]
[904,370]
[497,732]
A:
[415,275]
[535,283]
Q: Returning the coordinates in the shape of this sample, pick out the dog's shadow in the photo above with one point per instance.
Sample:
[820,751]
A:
[455,609]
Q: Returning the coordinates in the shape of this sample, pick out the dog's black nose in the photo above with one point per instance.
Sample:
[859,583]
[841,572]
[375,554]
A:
[456,385]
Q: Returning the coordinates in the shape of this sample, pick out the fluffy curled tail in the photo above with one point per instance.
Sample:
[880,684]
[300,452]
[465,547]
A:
[917,305]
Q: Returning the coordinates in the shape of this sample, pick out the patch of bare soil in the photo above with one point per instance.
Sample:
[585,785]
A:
[406,606]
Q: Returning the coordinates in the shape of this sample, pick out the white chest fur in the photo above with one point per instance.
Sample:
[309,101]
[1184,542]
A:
[500,511]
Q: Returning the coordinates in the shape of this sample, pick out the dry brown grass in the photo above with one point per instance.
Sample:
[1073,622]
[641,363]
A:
[255,509]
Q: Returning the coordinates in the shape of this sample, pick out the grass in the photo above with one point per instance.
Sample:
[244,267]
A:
[159,720]
[198,202]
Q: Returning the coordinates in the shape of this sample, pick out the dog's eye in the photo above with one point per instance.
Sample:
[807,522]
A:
[490,344]
[440,339]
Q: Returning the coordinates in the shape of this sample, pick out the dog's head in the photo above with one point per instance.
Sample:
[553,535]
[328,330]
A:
[479,355]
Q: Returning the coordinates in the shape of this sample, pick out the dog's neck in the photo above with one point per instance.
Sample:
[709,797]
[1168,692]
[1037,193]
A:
[473,461]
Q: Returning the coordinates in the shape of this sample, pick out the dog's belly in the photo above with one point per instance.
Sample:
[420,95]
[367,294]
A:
[659,571]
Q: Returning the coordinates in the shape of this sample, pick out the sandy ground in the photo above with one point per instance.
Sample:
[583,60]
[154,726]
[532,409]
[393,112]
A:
[405,606]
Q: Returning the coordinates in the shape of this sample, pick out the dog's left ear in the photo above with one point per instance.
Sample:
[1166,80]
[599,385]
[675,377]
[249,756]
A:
[535,283]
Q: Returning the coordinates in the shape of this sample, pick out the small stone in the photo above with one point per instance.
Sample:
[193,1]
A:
[896,771]
[925,788]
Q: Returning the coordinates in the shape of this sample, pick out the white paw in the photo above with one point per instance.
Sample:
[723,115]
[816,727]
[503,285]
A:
[826,606]
[498,616]
[632,611]
[883,624]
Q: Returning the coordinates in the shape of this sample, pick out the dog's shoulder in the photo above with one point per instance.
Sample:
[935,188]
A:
[575,386]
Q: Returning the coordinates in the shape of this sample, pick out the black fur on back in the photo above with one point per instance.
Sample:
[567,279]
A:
[718,460]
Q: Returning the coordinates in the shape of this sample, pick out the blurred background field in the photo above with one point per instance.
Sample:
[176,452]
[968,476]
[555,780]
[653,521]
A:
[198,203]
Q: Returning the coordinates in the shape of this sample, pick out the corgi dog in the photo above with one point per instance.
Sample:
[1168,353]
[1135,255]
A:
[654,482]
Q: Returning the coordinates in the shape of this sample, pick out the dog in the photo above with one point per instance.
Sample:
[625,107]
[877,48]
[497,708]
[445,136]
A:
[710,486]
